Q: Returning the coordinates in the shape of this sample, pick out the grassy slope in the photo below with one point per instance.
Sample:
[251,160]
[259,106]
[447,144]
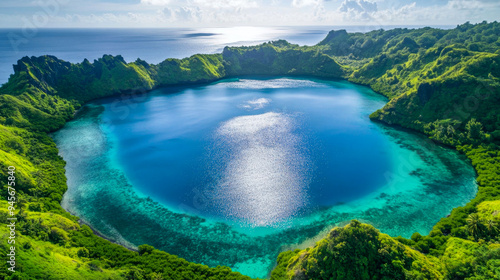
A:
[426,73]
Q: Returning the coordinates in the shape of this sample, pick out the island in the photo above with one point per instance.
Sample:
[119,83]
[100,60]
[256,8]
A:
[442,83]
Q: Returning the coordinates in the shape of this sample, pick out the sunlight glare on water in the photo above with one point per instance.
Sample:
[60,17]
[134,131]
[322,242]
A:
[255,104]
[263,181]
[244,33]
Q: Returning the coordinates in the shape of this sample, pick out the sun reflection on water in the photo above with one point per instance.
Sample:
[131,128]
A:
[263,182]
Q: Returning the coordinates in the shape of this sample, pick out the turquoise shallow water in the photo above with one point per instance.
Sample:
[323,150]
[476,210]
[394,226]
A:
[234,172]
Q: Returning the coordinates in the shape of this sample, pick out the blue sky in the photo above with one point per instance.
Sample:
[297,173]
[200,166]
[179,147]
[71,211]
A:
[214,13]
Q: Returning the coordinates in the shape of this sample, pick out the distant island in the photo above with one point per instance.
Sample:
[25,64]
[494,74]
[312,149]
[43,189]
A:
[442,83]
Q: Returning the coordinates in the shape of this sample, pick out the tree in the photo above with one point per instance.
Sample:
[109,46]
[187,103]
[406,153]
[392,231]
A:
[427,40]
[134,274]
[450,131]
[83,252]
[491,225]
[58,236]
[474,130]
[474,225]
[145,249]
[39,179]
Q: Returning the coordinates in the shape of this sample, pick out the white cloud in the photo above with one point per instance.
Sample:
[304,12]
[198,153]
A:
[223,4]
[191,13]
[184,14]
[359,6]
[358,10]
[156,2]
[464,4]
[402,14]
[305,3]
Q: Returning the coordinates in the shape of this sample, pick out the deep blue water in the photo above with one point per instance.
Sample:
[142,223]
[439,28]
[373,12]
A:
[278,146]
[233,172]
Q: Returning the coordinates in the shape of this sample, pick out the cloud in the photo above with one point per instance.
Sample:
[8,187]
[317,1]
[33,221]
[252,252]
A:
[211,13]
[189,14]
[463,5]
[305,3]
[358,10]
[406,12]
[217,4]
[358,6]
[202,11]
[222,4]
[155,2]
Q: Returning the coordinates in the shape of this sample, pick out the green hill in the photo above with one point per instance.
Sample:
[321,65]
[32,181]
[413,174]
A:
[357,251]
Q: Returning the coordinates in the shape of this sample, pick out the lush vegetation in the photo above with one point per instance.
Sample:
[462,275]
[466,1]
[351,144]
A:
[281,58]
[444,83]
[357,251]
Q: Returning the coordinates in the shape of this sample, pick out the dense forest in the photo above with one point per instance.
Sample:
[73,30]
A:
[443,83]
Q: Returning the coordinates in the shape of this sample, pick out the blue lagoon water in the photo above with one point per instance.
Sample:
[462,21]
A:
[233,172]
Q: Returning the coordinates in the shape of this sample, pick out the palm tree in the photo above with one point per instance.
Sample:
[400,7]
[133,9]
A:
[474,224]
[491,225]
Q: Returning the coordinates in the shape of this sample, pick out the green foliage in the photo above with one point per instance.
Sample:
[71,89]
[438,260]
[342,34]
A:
[280,58]
[474,130]
[475,225]
[83,253]
[469,260]
[36,229]
[357,251]
[134,274]
[145,249]
[58,236]
[280,271]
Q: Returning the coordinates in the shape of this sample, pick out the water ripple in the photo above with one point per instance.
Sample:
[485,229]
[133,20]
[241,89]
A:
[263,179]
[273,84]
[255,104]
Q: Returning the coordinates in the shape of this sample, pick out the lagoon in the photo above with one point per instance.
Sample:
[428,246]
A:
[233,172]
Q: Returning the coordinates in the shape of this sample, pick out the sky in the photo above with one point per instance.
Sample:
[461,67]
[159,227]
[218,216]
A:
[219,13]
